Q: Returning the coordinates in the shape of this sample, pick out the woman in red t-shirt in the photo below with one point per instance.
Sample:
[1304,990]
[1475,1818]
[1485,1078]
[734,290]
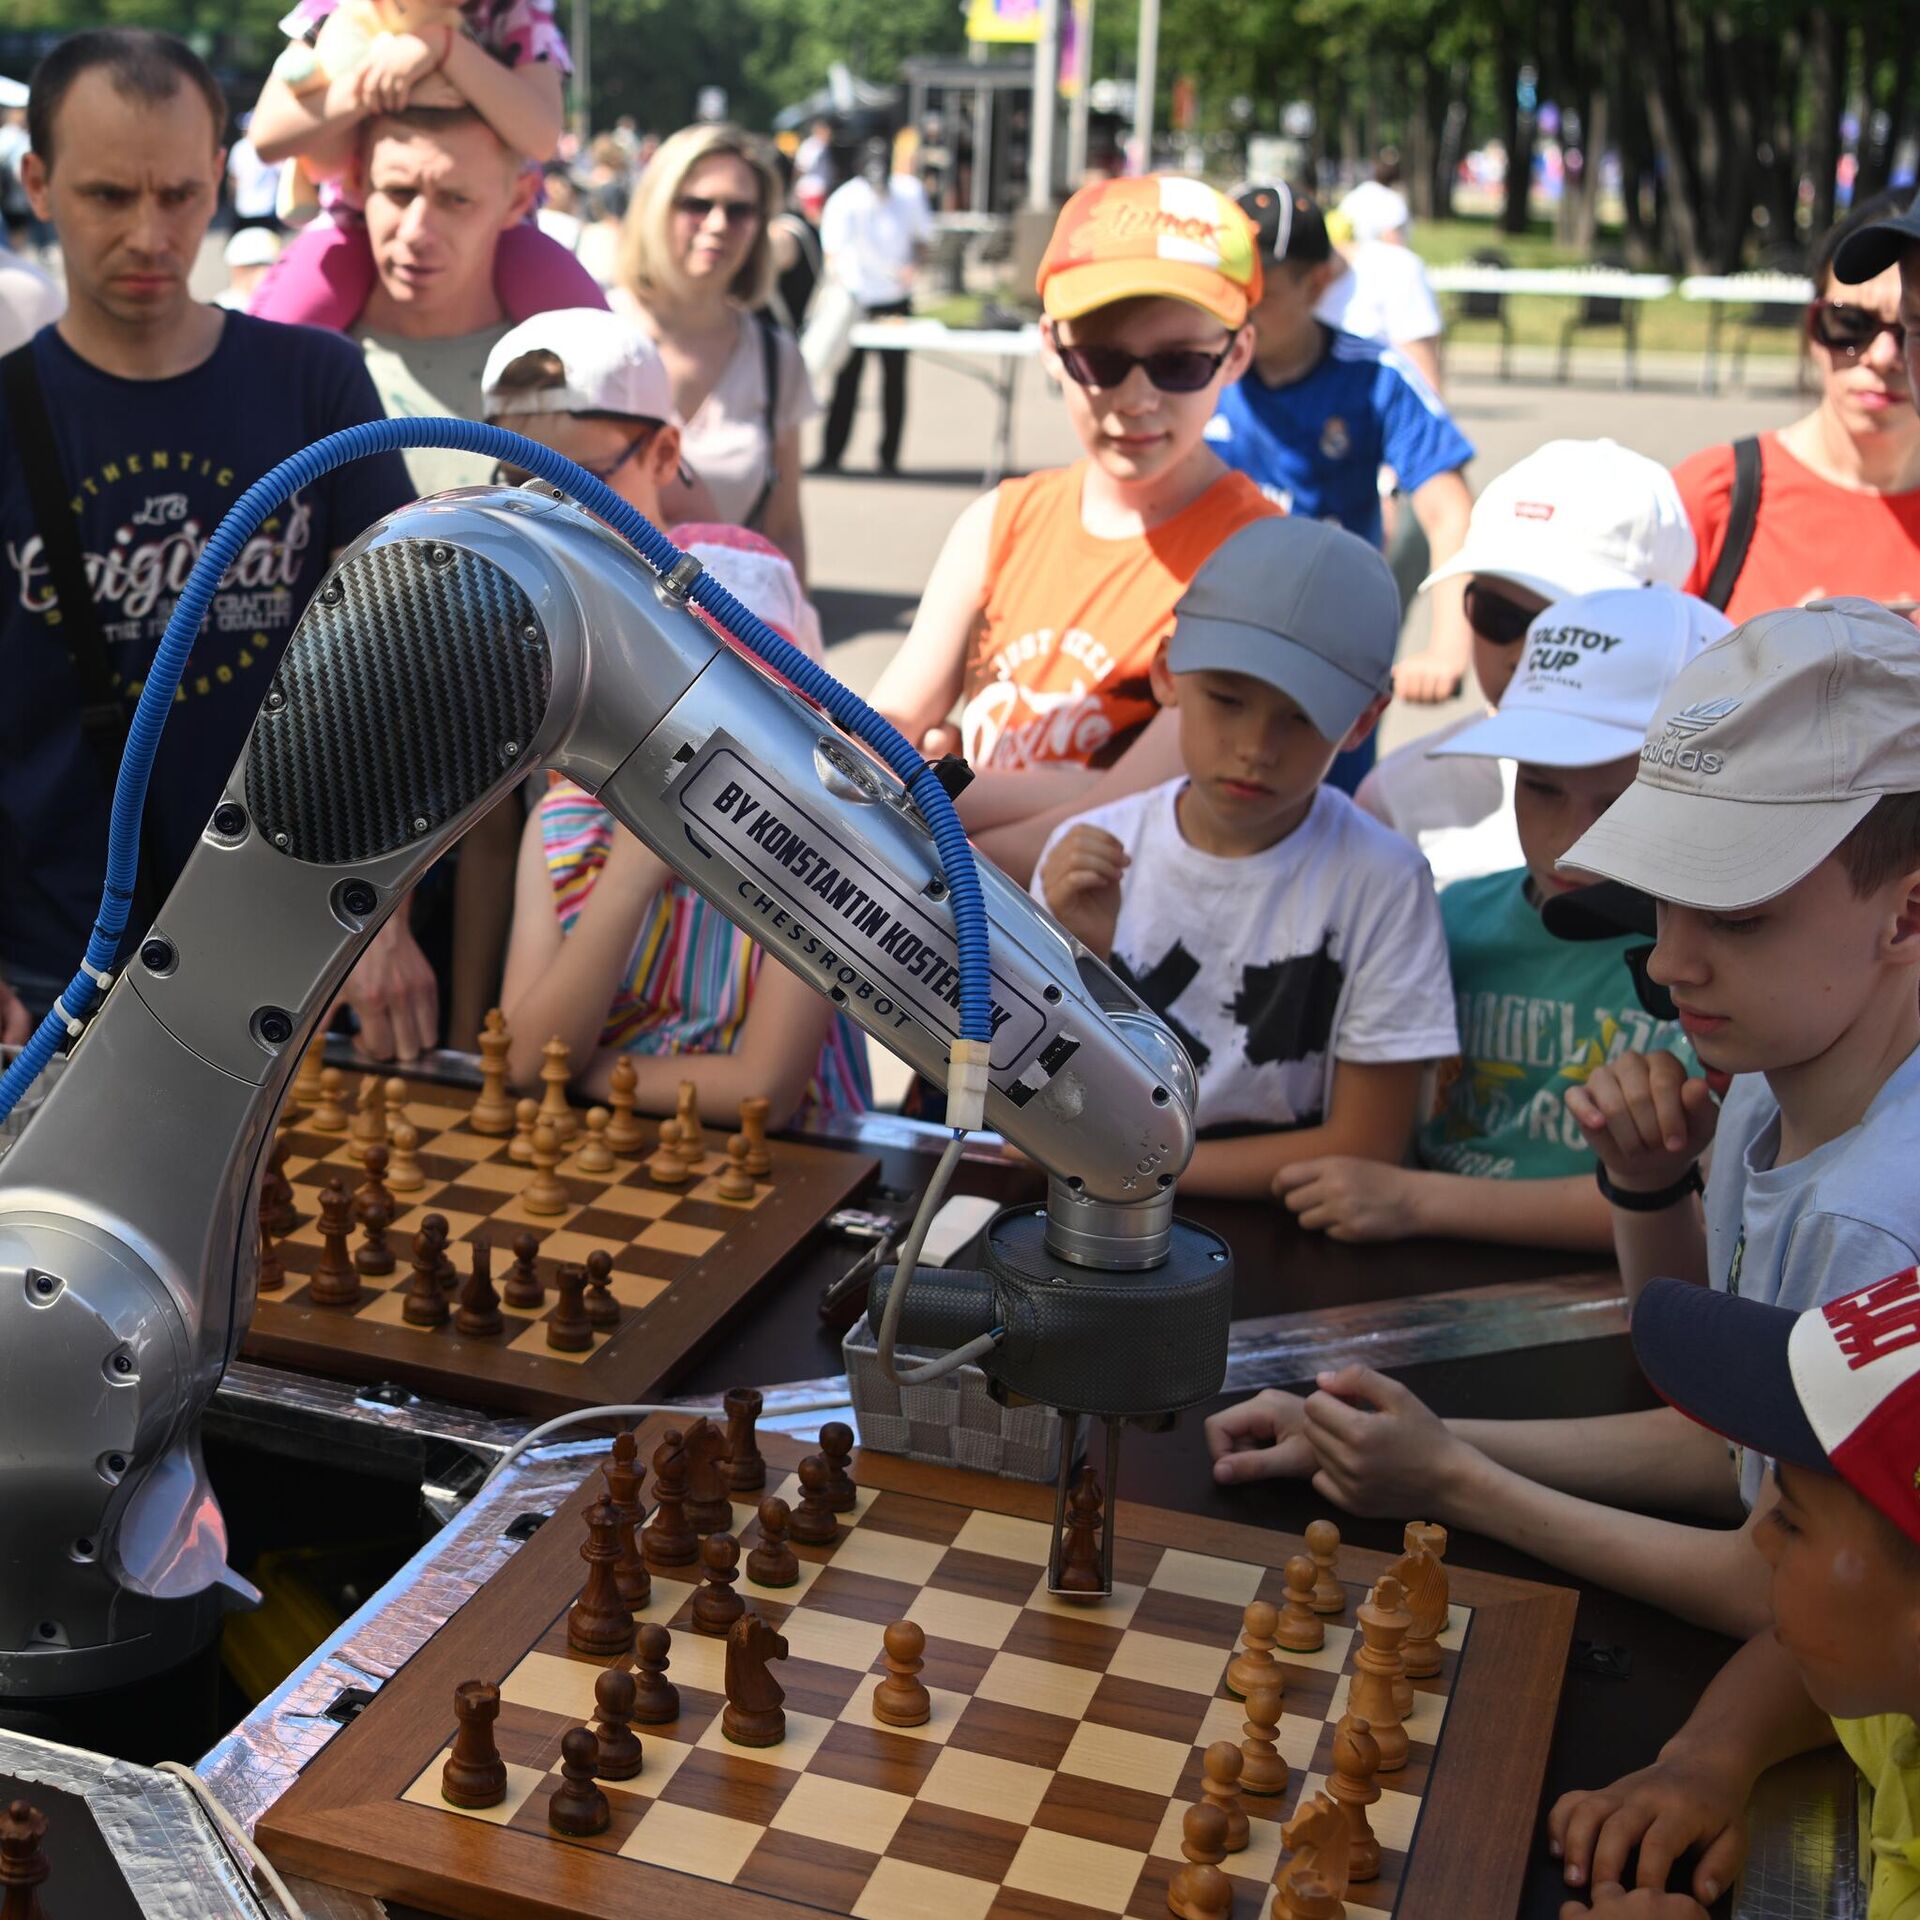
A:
[1839,488]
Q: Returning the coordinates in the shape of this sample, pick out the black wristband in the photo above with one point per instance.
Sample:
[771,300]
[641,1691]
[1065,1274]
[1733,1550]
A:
[1658,1201]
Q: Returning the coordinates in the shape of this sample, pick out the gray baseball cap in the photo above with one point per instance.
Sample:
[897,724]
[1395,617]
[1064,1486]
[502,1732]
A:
[1301,604]
[1763,755]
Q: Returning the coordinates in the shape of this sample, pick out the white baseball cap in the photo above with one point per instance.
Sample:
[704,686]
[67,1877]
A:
[1592,674]
[1763,755]
[1373,208]
[609,364]
[1573,517]
[252,247]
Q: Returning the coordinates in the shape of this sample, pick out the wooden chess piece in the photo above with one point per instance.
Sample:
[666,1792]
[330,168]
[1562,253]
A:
[1264,1768]
[625,1135]
[666,1168]
[814,1525]
[656,1700]
[1356,1759]
[370,1115]
[1399,1616]
[306,1083]
[899,1699]
[525,1288]
[277,1213]
[23,1865]
[622,1474]
[374,1162]
[474,1775]
[593,1154]
[754,1715]
[1299,1629]
[479,1313]
[577,1807]
[1323,1546]
[526,1116]
[435,1227]
[836,1449]
[716,1606]
[544,1194]
[1200,1891]
[1316,1843]
[602,1309]
[667,1541]
[773,1563]
[1220,1768]
[746,1469]
[330,1113]
[1421,1572]
[492,1112]
[598,1621]
[687,1142]
[754,1113]
[1254,1666]
[403,1162]
[1376,1668]
[613,1724]
[555,1072]
[1308,1897]
[568,1328]
[396,1103]
[425,1305]
[336,1280]
[273,1270]
[1080,1570]
[708,1508]
[373,1257]
[735,1185]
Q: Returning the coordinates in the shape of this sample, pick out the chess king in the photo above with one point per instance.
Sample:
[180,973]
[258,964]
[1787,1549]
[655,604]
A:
[459,644]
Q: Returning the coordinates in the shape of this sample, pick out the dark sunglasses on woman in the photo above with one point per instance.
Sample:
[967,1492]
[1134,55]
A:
[738,213]
[506,474]
[1494,617]
[1850,331]
[1171,369]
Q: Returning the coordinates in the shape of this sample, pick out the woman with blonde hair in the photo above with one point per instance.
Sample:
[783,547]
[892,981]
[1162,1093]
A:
[696,267]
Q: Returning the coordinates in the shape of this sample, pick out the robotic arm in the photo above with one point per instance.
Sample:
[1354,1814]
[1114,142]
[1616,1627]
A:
[460,643]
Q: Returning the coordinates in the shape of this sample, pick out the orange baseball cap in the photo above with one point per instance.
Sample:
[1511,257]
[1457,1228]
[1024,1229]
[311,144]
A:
[1162,234]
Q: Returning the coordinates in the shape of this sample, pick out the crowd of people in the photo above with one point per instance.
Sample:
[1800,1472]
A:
[1410,1010]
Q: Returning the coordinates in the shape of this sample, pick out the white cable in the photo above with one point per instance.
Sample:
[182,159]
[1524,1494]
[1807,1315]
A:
[974,1349]
[237,1837]
[636,1411]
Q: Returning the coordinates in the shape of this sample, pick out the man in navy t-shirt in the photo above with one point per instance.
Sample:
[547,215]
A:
[163,412]
[1320,412]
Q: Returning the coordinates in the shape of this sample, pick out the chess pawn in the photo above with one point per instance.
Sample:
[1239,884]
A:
[619,1756]
[667,1540]
[577,1807]
[1254,1666]
[544,1193]
[336,1280]
[593,1154]
[598,1621]
[1299,1629]
[403,1164]
[1323,1547]
[754,1113]
[625,1135]
[1356,1759]
[746,1469]
[396,1103]
[735,1185]
[526,1116]
[773,1563]
[622,1474]
[1200,1891]
[330,1114]
[1424,1576]
[716,1606]
[666,1168]
[373,1256]
[1376,1668]
[277,1213]
[836,1449]
[23,1866]
[370,1118]
[374,1161]
[425,1305]
[899,1700]
[555,1073]
[479,1313]
[568,1328]
[814,1524]
[687,1142]
[306,1083]
[1220,1769]
[434,1225]
[1308,1897]
[602,1309]
[524,1286]
[273,1272]
[492,1112]
[474,1775]
[656,1700]
[1263,1768]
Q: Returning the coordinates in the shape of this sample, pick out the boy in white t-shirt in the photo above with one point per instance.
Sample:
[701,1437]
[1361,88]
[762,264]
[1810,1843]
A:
[1291,943]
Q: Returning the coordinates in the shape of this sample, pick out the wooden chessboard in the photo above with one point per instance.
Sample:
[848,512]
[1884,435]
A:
[1065,1742]
[683,1261]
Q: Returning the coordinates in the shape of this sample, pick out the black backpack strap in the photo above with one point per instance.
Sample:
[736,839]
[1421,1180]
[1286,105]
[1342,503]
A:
[770,373]
[1743,515]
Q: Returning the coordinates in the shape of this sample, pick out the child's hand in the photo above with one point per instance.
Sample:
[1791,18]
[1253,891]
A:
[1645,1118]
[1260,1439]
[1349,1199]
[1081,881]
[1382,1450]
[1682,1801]
[1613,1902]
[396,63]
[1427,679]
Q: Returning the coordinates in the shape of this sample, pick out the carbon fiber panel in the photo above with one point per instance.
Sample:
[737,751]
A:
[415,680]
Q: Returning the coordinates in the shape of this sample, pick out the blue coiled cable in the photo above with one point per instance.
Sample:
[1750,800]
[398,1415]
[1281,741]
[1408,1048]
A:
[390,436]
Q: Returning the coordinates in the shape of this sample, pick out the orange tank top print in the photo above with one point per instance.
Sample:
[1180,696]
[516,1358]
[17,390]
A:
[1058,668]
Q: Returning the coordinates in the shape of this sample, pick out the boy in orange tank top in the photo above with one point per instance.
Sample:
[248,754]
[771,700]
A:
[1054,592]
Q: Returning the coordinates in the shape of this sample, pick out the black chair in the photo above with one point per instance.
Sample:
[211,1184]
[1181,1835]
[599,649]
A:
[1490,305]
[1603,310]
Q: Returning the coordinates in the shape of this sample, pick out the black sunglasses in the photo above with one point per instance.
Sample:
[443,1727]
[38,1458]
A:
[1850,331]
[1494,617]
[696,206]
[1172,369]
[506,474]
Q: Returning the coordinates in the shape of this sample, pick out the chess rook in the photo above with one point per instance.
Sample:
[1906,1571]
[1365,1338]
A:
[746,1470]
[474,1775]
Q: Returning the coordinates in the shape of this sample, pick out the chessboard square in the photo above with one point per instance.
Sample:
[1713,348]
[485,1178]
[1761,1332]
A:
[688,1840]
[695,1659]
[833,1639]
[750,1588]
[1393,1818]
[570,1245]
[1068,1639]
[669,1236]
[959,1616]
[842,1813]
[635,1290]
[517,1211]
[1225,1720]
[661,1759]
[1118,1815]
[1181,1664]
[943,1716]
[957,1840]
[1100,1876]
[666,1599]
[534,1340]
[833,1876]
[917,1518]
[863,1499]
[1005,1538]
[708,1194]
[1299,1737]
[1141,1707]
[521,1782]
[1115,1609]
[739,1783]
[1205,1577]
[1330,1657]
[1257,1860]
[496,1176]
[636,1203]
[1455,1636]
[987,1785]
[1142,1761]
[888,1556]
[901,1890]
[387,1307]
[805,1732]
[1037,1685]
[453,1144]
[1186,1616]
[551,1683]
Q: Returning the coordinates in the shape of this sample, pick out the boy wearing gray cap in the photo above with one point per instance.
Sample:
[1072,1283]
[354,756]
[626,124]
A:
[1292,943]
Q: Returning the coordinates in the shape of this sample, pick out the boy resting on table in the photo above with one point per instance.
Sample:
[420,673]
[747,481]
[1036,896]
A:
[1501,1158]
[1292,944]
[1833,1396]
[1776,818]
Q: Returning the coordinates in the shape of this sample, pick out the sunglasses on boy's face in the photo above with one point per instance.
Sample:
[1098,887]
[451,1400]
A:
[1171,369]
[1494,617]
[1850,331]
[506,474]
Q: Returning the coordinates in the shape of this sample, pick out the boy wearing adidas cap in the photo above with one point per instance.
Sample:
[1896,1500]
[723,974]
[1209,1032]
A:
[1776,818]
[1291,943]
[1832,1396]
[1500,1159]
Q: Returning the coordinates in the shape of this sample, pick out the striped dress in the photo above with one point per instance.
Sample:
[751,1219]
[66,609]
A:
[690,981]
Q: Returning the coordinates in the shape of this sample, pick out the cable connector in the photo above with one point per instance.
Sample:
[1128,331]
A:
[967,1064]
